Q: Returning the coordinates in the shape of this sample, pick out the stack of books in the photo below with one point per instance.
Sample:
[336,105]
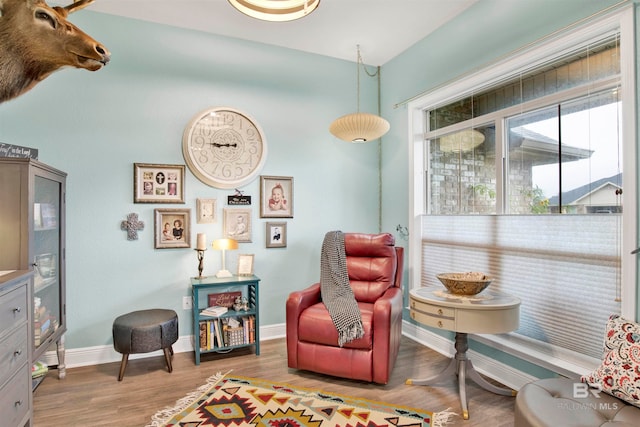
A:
[227,332]
[214,311]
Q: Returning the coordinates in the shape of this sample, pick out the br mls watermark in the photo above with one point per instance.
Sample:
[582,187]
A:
[584,391]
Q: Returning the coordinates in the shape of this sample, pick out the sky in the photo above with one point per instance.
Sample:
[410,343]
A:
[596,129]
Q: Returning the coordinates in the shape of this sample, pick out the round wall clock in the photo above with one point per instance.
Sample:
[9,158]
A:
[224,148]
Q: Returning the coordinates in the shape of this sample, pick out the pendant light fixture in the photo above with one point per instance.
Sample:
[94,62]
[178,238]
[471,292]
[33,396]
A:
[275,10]
[462,141]
[360,127]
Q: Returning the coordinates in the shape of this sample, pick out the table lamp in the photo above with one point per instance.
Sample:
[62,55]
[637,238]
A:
[223,245]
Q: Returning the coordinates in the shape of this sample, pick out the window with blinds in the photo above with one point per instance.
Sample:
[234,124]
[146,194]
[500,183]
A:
[523,172]
[557,127]
[564,268]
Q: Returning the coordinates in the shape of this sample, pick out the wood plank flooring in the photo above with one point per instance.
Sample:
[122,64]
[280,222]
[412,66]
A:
[91,396]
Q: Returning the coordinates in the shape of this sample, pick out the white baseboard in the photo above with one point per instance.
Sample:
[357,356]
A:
[97,355]
[501,372]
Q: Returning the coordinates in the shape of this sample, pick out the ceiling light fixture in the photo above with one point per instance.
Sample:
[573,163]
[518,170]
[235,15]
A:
[360,127]
[464,140]
[275,10]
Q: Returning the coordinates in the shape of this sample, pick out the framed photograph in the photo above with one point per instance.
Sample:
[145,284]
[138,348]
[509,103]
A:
[276,235]
[158,183]
[172,228]
[276,197]
[237,224]
[206,211]
[245,265]
[46,265]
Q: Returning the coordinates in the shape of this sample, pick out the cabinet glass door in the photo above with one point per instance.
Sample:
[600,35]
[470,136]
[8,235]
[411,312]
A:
[46,258]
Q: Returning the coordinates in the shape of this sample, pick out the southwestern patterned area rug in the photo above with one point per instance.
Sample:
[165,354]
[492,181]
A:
[241,401]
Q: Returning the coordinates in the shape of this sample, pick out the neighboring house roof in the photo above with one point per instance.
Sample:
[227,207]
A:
[542,150]
[579,195]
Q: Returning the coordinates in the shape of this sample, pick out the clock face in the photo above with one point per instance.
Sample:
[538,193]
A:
[224,148]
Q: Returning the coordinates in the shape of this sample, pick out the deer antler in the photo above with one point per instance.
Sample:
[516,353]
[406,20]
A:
[77,5]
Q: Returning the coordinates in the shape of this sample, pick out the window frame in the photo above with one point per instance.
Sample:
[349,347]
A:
[499,118]
[556,45]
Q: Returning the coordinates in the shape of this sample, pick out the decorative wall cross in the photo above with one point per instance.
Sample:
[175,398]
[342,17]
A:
[132,225]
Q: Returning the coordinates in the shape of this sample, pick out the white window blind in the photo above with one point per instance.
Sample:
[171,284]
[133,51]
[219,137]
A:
[566,269]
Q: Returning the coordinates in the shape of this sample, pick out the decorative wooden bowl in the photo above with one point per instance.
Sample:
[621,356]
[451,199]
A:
[470,283]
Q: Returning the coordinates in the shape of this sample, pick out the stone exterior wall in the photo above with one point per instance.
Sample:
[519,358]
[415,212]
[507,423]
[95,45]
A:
[465,183]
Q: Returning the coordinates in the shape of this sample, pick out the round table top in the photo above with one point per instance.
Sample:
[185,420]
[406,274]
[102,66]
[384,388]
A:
[485,300]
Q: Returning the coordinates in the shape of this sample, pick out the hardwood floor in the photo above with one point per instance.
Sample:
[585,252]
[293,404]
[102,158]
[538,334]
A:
[91,396]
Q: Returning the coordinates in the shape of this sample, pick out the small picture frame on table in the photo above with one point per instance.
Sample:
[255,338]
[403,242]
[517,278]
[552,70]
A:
[155,183]
[245,265]
[276,234]
[172,228]
[276,197]
[237,224]
[206,211]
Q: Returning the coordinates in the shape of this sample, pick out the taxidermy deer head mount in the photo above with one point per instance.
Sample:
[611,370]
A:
[36,40]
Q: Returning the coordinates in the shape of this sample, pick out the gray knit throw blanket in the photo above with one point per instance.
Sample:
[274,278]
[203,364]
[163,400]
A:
[336,291]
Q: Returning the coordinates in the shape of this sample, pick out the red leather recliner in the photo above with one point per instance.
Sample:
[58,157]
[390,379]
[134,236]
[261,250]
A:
[375,267]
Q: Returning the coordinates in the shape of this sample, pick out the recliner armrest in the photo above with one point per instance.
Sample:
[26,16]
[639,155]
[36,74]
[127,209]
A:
[305,298]
[387,330]
[297,302]
[386,307]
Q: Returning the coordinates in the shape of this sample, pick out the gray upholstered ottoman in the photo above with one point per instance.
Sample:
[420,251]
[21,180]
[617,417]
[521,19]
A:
[145,331]
[553,402]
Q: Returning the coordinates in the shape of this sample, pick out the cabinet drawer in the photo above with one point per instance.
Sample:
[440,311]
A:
[13,352]
[13,308]
[14,398]
[433,320]
[432,309]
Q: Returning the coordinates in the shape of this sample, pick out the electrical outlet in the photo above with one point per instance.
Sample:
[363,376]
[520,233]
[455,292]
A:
[187,303]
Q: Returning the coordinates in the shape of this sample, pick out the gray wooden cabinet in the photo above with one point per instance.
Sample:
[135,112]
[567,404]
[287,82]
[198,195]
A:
[15,349]
[32,226]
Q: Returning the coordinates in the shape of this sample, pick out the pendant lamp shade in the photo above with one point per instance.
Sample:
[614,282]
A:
[359,127]
[464,140]
[275,10]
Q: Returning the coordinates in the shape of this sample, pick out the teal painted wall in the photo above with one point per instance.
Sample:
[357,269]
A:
[96,125]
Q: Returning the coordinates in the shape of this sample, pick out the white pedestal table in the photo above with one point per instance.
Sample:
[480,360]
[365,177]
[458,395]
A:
[489,312]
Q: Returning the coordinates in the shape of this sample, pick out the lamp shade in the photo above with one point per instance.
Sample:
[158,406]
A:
[224,244]
[359,127]
[464,140]
[275,10]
